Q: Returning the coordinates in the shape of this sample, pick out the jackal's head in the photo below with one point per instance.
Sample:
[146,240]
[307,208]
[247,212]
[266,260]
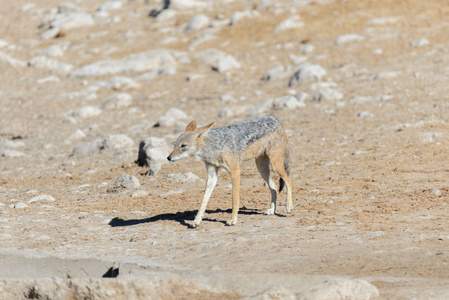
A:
[189,142]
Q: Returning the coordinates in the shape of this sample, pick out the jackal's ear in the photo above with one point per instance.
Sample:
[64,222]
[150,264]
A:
[204,129]
[191,126]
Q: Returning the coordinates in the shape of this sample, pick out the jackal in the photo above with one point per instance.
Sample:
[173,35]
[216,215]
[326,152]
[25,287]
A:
[262,138]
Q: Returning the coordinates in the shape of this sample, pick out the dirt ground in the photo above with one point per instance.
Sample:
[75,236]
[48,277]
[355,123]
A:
[370,179]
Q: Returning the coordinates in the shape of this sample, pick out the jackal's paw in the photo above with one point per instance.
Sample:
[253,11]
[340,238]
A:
[193,225]
[231,222]
[289,208]
[269,211]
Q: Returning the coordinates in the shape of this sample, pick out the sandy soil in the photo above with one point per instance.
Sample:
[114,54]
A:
[370,179]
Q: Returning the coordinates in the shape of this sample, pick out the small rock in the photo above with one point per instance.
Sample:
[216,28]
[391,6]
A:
[239,15]
[307,73]
[278,72]
[6,58]
[436,192]
[77,135]
[328,94]
[172,117]
[119,100]
[41,198]
[67,7]
[197,22]
[218,60]
[290,23]
[50,79]
[419,42]
[117,142]
[84,149]
[71,20]
[110,5]
[386,75]
[365,114]
[184,177]
[127,182]
[383,21]
[139,194]
[153,152]
[288,102]
[86,112]
[369,99]
[14,144]
[341,289]
[229,112]
[134,63]
[20,205]
[12,153]
[307,48]
[349,38]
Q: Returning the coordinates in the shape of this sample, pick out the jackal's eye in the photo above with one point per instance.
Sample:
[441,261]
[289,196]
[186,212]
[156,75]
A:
[183,145]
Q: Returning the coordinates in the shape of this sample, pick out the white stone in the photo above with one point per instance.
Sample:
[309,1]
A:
[77,135]
[229,112]
[118,141]
[20,205]
[278,72]
[341,289]
[86,112]
[187,4]
[14,144]
[307,73]
[110,5]
[369,99]
[218,60]
[49,79]
[287,102]
[12,153]
[172,117]
[127,182]
[6,58]
[134,63]
[197,22]
[119,100]
[386,75]
[72,20]
[67,7]
[383,21]
[349,38]
[328,94]
[139,194]
[184,177]
[41,198]
[419,42]
[365,114]
[290,23]
[43,62]
[239,15]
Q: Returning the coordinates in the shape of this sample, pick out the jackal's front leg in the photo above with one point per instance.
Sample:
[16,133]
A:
[235,178]
[210,185]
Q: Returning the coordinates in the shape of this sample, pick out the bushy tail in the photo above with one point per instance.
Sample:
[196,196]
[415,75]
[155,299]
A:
[287,169]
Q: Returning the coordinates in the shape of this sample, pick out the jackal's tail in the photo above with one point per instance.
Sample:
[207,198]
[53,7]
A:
[287,169]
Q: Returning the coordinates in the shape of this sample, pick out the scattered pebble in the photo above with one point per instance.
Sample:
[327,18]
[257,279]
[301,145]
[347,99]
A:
[41,198]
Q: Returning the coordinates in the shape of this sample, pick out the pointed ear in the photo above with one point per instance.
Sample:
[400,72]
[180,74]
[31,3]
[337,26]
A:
[204,129]
[191,126]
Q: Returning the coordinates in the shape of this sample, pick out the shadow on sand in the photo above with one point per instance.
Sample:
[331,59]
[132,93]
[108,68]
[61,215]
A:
[180,217]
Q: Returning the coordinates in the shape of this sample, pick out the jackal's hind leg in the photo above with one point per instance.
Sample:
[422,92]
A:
[210,185]
[263,165]
[277,161]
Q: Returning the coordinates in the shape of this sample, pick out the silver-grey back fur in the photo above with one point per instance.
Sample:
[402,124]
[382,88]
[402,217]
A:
[238,137]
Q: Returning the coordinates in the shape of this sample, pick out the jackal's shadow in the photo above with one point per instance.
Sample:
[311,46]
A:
[181,217]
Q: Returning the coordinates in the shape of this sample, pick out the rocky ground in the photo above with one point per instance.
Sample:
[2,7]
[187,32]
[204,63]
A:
[360,86]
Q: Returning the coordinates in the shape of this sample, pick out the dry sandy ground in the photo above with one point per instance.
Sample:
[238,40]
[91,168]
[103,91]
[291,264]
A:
[370,179]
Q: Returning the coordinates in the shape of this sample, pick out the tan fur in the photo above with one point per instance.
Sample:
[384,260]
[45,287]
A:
[270,148]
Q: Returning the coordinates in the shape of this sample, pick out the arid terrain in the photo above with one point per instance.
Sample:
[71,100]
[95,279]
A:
[361,88]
